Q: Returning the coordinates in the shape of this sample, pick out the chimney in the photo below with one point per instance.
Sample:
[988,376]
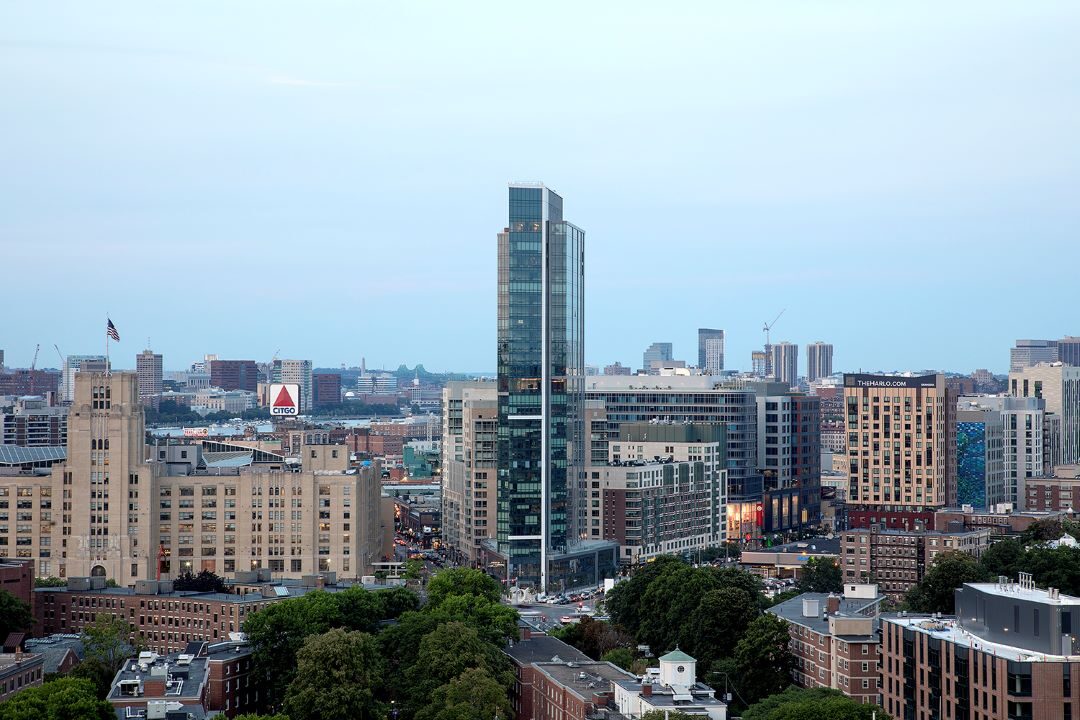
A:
[646,690]
[526,633]
[832,604]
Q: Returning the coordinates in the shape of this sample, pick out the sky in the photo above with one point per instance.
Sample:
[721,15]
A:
[326,179]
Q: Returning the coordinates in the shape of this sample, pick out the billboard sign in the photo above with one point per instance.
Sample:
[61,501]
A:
[284,399]
[890,381]
[196,432]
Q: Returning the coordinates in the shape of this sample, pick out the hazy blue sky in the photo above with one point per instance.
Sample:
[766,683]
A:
[328,178]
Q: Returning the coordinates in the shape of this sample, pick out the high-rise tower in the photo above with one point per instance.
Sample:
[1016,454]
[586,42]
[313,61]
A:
[710,350]
[818,360]
[541,367]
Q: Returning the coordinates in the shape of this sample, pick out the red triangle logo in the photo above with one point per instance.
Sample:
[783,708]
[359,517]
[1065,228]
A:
[284,399]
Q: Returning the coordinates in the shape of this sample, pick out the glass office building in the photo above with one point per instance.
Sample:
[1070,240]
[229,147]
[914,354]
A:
[541,365]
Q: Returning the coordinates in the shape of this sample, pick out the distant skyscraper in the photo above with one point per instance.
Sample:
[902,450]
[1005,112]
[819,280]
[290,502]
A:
[759,363]
[74,364]
[234,374]
[818,360]
[541,394]
[617,368]
[785,363]
[1,361]
[1032,352]
[148,368]
[1068,350]
[657,352]
[710,350]
[295,371]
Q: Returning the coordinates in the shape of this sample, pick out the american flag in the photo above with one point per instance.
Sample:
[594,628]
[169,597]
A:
[110,330]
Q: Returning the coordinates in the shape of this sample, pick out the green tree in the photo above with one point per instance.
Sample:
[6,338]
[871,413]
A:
[413,570]
[110,640]
[714,627]
[98,673]
[14,615]
[1005,557]
[821,575]
[49,582]
[396,601]
[624,601]
[669,715]
[495,621]
[61,699]
[276,634]
[1055,567]
[622,657]
[950,570]
[337,676]
[360,610]
[802,704]
[472,695]
[1042,531]
[205,581]
[762,662]
[448,651]
[462,581]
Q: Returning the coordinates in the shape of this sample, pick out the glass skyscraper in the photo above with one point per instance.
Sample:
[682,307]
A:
[541,364]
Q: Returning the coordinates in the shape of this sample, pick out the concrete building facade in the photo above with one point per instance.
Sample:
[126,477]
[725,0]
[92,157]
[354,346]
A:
[818,360]
[148,368]
[1058,385]
[784,363]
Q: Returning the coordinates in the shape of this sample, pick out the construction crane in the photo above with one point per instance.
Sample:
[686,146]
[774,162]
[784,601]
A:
[63,360]
[33,365]
[769,326]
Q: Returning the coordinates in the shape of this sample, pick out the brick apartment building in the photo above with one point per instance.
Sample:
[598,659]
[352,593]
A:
[19,671]
[1010,652]
[835,640]
[897,559]
[206,678]
[164,619]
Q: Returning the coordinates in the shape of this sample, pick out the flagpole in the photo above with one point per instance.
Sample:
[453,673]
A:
[108,365]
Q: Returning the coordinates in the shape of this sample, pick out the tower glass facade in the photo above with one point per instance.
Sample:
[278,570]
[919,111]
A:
[541,370]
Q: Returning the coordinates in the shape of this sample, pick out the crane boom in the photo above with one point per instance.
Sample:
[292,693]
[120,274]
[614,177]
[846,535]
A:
[33,365]
[769,326]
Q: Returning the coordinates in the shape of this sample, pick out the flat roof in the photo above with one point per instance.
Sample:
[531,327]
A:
[792,611]
[584,679]
[19,455]
[948,628]
[1014,590]
[545,649]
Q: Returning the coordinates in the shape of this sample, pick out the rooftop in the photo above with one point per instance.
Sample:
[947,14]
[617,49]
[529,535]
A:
[587,678]
[948,628]
[54,648]
[544,649]
[792,610]
[184,674]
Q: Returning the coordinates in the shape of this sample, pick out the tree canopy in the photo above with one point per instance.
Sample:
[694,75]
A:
[59,699]
[821,575]
[812,704]
[205,581]
[110,640]
[462,581]
[14,615]
[950,570]
[337,676]
[762,663]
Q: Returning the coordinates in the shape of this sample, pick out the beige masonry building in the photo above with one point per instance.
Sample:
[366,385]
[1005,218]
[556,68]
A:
[108,512]
[470,417]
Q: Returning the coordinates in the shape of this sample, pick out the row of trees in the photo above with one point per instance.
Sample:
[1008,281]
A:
[1050,567]
[333,655]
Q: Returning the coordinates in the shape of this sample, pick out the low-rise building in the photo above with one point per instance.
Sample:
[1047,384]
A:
[787,561]
[672,686]
[31,422]
[898,559]
[1010,652]
[1000,523]
[202,680]
[835,640]
[1058,493]
[19,671]
[61,651]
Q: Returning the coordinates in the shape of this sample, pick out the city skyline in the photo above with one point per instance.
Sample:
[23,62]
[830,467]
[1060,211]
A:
[285,174]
